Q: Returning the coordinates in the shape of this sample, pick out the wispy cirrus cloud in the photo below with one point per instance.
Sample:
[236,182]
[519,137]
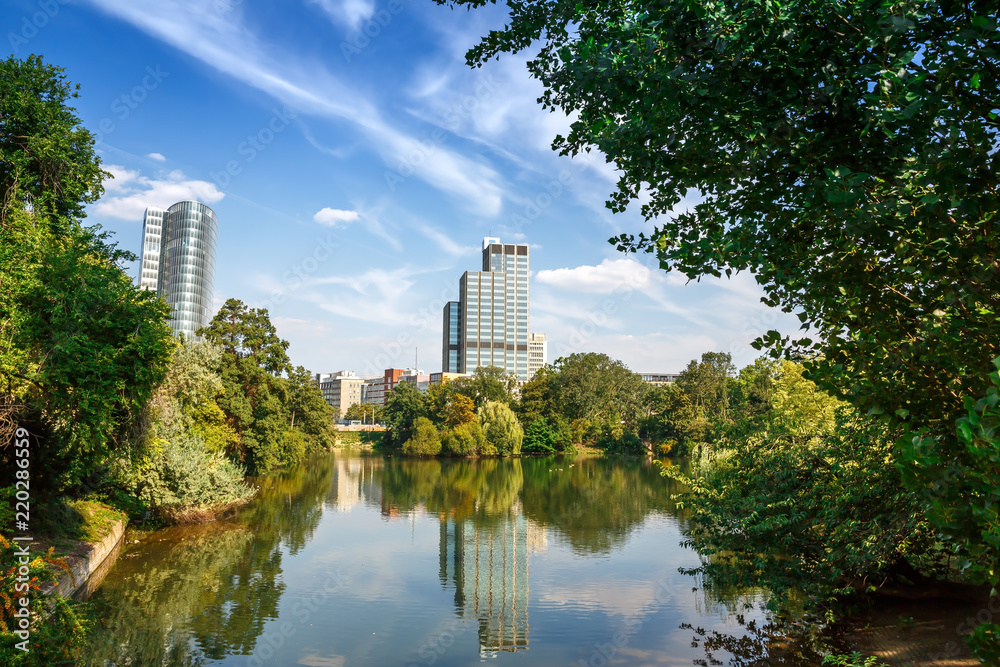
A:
[129,193]
[224,42]
[346,12]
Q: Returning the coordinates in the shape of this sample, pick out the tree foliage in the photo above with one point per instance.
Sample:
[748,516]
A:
[277,420]
[466,439]
[812,517]
[82,348]
[844,153]
[369,413]
[404,405]
[596,388]
[181,471]
[502,430]
[47,161]
[488,383]
[425,440]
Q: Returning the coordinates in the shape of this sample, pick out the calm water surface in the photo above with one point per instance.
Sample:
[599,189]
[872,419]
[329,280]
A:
[358,560]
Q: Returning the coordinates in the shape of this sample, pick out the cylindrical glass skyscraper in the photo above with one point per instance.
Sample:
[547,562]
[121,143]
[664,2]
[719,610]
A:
[185,276]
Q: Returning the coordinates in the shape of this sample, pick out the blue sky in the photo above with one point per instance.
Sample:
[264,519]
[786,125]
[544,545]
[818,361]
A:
[355,163]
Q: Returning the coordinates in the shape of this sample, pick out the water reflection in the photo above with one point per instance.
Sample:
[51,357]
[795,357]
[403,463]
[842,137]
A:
[488,567]
[213,594]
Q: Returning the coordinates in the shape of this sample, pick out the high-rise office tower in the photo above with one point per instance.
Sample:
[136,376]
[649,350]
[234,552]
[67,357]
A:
[488,325]
[178,261]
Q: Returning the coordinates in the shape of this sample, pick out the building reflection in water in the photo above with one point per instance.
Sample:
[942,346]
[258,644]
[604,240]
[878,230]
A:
[487,563]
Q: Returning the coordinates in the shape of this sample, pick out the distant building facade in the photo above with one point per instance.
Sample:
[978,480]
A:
[178,262]
[341,389]
[488,325]
[443,377]
[538,353]
[377,390]
[373,391]
[659,379]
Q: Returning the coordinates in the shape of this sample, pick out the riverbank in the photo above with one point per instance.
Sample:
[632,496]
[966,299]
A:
[918,633]
[87,541]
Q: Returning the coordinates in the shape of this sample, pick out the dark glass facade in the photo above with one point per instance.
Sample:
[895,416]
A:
[451,348]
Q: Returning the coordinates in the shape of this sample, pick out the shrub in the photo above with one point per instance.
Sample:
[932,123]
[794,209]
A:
[539,438]
[425,440]
[628,444]
[463,440]
[58,628]
[501,428]
[186,482]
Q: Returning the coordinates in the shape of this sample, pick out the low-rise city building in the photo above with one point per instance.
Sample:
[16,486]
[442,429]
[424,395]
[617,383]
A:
[659,379]
[341,389]
[442,377]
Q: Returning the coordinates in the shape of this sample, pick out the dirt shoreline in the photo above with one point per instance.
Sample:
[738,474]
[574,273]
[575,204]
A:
[924,633]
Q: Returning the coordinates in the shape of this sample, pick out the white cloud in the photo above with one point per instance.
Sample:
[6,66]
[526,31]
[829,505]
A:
[351,13]
[128,194]
[334,216]
[608,276]
[156,156]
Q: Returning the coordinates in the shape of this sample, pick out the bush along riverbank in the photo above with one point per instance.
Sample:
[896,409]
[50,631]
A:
[801,496]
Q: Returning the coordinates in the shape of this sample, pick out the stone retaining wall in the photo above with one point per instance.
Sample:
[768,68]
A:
[86,560]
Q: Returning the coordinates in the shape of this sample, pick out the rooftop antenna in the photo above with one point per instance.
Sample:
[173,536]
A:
[416,365]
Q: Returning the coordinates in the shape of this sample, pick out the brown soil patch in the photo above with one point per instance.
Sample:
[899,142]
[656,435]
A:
[917,634]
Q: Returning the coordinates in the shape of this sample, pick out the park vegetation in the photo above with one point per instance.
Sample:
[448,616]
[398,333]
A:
[844,152]
[116,409]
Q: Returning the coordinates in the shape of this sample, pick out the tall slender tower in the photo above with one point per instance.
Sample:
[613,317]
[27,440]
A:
[178,261]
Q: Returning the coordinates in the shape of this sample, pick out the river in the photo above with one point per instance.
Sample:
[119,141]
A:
[352,559]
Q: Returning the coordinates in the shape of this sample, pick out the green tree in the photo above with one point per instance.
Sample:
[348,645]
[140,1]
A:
[425,440]
[179,473]
[547,435]
[309,412]
[255,397]
[597,388]
[814,517]
[672,418]
[247,333]
[47,161]
[537,397]
[404,405]
[83,348]
[466,439]
[488,383]
[708,383]
[502,430]
[369,413]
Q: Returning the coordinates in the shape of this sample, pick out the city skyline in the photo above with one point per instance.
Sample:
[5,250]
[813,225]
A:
[355,173]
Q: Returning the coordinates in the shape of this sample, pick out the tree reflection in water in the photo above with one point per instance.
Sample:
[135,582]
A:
[194,593]
[190,595]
